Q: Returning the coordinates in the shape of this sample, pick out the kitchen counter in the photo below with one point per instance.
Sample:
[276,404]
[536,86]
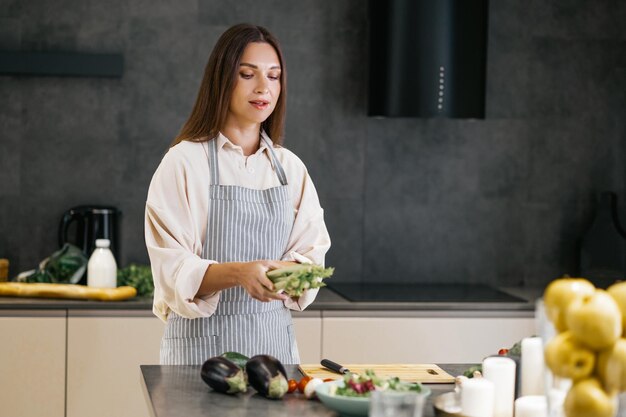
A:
[23,303]
[173,391]
[128,334]
[327,301]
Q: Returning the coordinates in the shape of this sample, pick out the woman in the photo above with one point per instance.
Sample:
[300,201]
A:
[227,204]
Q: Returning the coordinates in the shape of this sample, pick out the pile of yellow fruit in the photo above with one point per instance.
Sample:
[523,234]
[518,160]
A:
[590,346]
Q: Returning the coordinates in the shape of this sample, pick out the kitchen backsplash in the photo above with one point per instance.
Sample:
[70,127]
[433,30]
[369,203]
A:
[499,201]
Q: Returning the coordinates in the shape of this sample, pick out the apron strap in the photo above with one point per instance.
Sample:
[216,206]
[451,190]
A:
[279,168]
[212,160]
[214,169]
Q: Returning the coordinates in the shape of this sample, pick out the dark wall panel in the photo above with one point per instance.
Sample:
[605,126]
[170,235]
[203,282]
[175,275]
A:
[500,201]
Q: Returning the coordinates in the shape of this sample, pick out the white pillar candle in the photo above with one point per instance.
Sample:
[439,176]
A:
[501,371]
[477,398]
[531,406]
[532,366]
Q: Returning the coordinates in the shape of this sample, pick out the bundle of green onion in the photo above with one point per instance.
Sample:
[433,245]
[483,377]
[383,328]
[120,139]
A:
[295,279]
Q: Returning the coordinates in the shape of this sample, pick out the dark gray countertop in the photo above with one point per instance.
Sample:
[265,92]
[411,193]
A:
[327,300]
[22,303]
[173,391]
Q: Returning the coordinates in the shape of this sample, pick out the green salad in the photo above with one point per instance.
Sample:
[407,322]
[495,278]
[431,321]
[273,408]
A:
[355,385]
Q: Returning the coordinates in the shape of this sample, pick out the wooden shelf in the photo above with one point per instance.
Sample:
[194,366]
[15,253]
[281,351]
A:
[61,64]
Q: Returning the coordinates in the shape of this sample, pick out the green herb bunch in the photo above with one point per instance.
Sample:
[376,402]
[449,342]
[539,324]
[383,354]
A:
[137,276]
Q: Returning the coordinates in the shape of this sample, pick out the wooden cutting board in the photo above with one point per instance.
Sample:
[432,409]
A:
[424,373]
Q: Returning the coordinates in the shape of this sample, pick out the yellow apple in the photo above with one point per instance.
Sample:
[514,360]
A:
[611,367]
[595,320]
[559,294]
[618,292]
[567,358]
[587,399]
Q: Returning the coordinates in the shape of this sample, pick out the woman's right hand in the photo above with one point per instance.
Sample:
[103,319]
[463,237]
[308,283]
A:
[251,276]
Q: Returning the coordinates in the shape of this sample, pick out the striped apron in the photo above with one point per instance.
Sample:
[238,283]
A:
[243,225]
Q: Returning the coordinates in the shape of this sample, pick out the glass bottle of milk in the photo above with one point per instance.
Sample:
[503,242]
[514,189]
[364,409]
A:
[102,269]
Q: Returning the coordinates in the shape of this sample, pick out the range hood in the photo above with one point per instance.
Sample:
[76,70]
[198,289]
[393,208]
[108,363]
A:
[428,58]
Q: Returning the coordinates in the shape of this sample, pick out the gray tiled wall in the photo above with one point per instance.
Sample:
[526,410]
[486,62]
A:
[501,201]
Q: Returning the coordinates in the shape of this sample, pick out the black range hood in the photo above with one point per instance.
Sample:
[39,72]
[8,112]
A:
[428,58]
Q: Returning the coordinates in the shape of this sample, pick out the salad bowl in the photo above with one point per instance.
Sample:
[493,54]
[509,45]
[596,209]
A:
[344,405]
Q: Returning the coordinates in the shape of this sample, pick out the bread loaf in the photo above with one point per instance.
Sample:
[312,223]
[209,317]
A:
[70,291]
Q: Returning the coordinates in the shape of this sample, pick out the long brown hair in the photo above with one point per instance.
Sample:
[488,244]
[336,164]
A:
[211,108]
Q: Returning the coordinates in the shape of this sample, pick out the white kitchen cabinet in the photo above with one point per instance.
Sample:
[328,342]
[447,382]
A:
[32,363]
[308,328]
[103,357]
[396,337]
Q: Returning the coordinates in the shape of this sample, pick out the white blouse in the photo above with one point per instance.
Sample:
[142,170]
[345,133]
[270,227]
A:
[176,219]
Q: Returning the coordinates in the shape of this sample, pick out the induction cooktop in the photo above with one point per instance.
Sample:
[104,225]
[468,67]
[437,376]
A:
[459,293]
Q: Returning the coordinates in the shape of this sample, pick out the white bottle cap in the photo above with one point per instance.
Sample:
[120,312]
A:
[103,243]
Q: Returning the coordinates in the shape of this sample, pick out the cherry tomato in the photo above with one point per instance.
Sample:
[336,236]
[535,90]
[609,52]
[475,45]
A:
[303,382]
[293,385]
[503,351]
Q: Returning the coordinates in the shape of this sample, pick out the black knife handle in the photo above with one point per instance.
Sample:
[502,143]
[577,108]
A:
[333,366]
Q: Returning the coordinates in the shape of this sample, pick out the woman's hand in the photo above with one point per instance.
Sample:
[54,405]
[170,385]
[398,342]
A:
[251,276]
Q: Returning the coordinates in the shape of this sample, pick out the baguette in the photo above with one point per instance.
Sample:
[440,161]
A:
[71,291]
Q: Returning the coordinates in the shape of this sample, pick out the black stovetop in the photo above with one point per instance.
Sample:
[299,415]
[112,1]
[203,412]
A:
[461,293]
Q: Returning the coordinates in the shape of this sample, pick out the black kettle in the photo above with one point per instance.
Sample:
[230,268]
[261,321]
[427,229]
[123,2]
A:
[82,225]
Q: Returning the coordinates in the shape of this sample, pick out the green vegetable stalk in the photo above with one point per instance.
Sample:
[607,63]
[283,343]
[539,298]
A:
[293,280]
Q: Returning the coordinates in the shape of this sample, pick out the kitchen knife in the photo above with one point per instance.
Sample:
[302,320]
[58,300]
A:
[335,367]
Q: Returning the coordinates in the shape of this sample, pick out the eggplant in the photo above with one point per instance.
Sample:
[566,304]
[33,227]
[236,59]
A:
[267,376]
[223,376]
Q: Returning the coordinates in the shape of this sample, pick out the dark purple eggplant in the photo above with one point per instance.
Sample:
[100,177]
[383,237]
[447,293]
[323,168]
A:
[267,375]
[223,376]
